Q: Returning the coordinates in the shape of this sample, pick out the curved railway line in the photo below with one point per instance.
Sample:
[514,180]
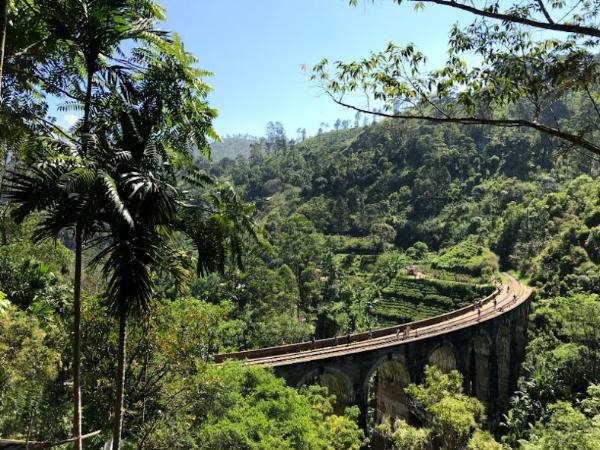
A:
[505,298]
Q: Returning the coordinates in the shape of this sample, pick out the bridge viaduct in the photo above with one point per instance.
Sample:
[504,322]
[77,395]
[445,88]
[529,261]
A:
[485,341]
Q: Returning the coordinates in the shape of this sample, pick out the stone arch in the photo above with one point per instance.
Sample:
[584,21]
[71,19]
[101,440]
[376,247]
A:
[336,382]
[479,365]
[503,360]
[388,399]
[443,358]
[520,338]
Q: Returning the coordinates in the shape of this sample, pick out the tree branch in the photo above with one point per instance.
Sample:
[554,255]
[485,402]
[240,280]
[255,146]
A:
[544,11]
[45,122]
[506,123]
[565,28]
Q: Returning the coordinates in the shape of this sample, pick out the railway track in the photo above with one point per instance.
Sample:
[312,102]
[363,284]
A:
[507,297]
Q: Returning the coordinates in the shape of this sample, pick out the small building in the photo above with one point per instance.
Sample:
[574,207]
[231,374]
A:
[411,271]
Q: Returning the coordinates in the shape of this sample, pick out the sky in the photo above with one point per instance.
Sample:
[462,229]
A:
[256,49]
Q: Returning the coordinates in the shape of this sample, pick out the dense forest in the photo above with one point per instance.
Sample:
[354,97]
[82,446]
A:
[129,257]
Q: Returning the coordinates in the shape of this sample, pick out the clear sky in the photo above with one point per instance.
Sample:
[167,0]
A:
[255,48]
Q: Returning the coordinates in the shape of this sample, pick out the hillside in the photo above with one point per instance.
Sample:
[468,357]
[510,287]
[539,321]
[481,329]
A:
[392,185]
[363,228]
[232,146]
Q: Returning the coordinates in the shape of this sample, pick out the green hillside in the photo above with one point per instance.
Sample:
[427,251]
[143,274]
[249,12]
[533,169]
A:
[408,299]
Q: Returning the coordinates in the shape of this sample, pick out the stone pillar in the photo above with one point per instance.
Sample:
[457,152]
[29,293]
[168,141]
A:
[493,380]
[362,401]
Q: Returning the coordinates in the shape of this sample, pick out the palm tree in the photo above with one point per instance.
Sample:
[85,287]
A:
[155,123]
[72,193]
[91,32]
[131,254]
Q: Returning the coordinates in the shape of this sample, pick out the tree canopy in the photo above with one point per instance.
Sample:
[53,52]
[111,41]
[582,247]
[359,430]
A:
[515,66]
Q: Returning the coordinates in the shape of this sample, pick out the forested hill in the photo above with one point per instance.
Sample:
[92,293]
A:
[232,146]
[529,199]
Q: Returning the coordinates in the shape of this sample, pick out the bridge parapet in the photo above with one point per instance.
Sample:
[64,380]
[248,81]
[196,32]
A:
[352,338]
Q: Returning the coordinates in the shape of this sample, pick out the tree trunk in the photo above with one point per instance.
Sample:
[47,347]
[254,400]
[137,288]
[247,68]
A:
[118,415]
[3,23]
[87,108]
[78,445]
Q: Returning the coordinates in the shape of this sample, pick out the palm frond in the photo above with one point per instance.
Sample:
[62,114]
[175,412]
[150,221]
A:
[111,194]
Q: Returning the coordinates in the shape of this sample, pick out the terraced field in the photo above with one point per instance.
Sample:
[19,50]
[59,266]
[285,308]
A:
[407,299]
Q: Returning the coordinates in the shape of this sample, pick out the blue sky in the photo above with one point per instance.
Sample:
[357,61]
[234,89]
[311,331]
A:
[255,48]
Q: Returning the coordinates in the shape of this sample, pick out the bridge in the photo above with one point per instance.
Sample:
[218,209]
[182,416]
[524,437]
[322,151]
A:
[485,341]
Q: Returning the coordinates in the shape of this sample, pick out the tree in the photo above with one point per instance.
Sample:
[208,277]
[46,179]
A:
[301,134]
[28,368]
[91,33]
[71,192]
[521,81]
[451,420]
[568,428]
[3,23]
[561,362]
[276,138]
[259,412]
[152,129]
[133,251]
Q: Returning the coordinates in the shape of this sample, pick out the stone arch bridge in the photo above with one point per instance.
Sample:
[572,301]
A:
[485,341]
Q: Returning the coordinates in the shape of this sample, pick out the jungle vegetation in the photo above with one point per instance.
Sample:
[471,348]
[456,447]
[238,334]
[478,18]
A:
[128,256]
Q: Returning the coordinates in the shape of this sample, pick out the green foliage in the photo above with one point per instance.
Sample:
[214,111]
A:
[450,419]
[345,213]
[567,427]
[168,349]
[33,272]
[468,257]
[407,299]
[29,367]
[256,411]
[405,437]
[502,70]
[561,362]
